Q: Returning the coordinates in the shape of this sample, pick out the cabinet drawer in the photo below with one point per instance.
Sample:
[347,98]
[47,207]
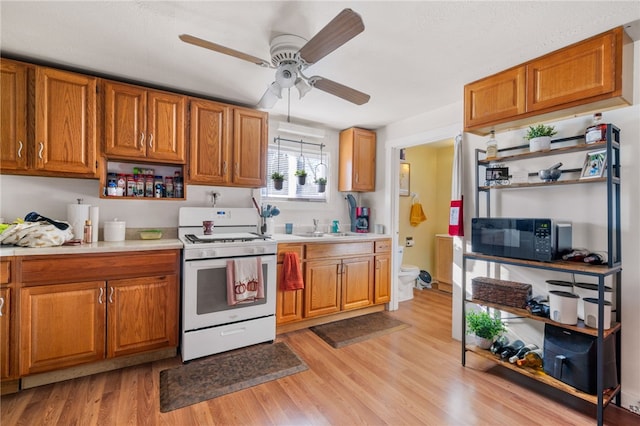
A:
[320,250]
[383,246]
[5,271]
[70,268]
[286,248]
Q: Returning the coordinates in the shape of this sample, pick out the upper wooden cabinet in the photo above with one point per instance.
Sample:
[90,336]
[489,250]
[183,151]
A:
[228,145]
[144,125]
[495,98]
[48,121]
[357,162]
[593,74]
[13,111]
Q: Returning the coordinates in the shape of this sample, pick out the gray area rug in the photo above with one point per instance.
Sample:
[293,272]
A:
[217,375]
[353,330]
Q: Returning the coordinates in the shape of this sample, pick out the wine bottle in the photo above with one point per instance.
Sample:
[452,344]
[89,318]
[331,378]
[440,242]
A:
[521,352]
[532,359]
[499,344]
[511,349]
[492,146]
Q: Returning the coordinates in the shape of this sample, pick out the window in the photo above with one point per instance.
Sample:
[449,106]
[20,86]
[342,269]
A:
[290,159]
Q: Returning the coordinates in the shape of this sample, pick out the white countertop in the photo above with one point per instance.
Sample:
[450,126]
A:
[99,247]
[293,238]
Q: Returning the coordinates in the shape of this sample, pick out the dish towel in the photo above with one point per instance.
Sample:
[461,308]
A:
[417,215]
[244,280]
[291,278]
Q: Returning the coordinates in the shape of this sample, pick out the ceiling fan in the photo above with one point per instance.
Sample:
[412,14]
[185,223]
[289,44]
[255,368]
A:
[291,55]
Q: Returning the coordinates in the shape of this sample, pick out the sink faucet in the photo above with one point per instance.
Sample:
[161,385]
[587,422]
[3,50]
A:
[315,225]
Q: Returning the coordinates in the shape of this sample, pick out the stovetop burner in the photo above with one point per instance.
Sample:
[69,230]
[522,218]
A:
[224,238]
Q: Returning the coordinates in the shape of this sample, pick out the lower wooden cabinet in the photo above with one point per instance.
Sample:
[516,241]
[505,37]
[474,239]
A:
[338,277]
[74,319]
[6,346]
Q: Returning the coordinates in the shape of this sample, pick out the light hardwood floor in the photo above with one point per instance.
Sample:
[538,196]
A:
[409,377]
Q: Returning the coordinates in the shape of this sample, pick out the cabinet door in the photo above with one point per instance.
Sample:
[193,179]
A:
[322,288]
[382,279]
[444,263]
[357,162]
[6,344]
[357,282]
[495,98]
[288,303]
[142,314]
[166,114]
[13,111]
[65,123]
[61,325]
[576,73]
[125,121]
[209,141]
[249,148]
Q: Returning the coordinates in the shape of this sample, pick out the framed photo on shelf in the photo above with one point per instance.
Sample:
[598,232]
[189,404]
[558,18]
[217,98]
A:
[595,163]
[405,173]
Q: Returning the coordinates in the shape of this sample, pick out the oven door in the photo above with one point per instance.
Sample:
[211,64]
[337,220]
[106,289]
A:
[204,294]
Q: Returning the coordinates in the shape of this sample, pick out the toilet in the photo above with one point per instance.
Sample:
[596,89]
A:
[407,276]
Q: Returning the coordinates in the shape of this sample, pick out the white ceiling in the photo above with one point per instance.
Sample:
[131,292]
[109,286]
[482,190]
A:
[411,58]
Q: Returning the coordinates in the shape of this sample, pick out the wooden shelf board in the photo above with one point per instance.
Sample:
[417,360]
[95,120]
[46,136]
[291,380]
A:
[556,265]
[537,154]
[541,376]
[539,184]
[580,327]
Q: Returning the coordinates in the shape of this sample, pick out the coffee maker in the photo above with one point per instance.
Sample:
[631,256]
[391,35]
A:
[362,219]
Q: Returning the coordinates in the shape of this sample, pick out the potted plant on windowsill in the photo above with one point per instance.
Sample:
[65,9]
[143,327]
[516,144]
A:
[302,176]
[540,137]
[322,184]
[485,327]
[277,179]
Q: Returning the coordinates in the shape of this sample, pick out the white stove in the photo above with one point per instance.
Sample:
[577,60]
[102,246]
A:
[209,323]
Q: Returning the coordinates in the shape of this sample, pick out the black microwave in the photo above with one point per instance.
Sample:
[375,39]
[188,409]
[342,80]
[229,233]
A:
[520,238]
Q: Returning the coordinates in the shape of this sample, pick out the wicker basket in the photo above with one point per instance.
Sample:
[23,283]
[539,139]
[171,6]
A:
[507,293]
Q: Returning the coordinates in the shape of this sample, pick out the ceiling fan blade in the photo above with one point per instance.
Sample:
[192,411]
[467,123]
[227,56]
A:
[222,49]
[345,26]
[339,90]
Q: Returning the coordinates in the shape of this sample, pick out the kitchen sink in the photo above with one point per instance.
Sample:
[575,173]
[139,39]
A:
[311,234]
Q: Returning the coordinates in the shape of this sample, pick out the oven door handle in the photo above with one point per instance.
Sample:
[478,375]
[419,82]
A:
[234,331]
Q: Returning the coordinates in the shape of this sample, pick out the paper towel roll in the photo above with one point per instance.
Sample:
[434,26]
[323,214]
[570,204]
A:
[77,214]
[93,216]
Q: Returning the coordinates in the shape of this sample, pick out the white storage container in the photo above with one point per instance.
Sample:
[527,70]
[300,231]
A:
[588,290]
[114,230]
[591,313]
[563,307]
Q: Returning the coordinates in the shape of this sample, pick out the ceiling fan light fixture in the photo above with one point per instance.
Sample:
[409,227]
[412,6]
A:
[271,96]
[303,88]
[286,75]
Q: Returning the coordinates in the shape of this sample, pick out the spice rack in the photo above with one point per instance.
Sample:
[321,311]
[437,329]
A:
[143,181]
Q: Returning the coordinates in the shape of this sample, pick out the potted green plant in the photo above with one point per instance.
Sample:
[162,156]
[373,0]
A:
[302,176]
[540,137]
[485,327]
[277,179]
[322,184]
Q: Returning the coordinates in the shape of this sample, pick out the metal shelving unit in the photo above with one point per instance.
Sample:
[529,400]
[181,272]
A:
[613,268]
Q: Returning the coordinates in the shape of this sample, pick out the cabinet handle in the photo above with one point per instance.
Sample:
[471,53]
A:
[141,139]
[237,169]
[111,295]
[100,295]
[357,179]
[1,306]
[150,140]
[19,149]
[224,167]
[41,149]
